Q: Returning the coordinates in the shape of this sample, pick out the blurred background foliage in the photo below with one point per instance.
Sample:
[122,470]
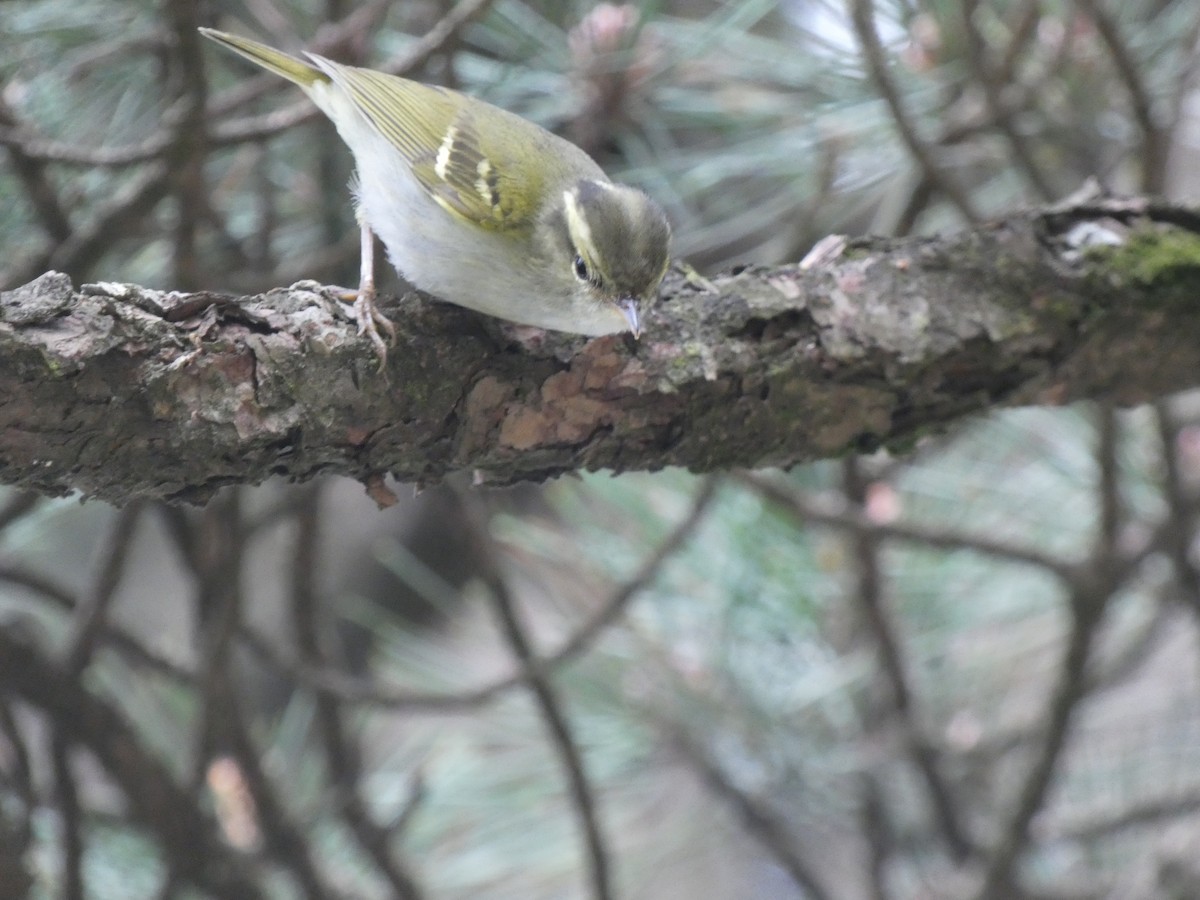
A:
[970,671]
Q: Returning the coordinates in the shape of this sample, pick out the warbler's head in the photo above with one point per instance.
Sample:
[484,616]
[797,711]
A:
[615,244]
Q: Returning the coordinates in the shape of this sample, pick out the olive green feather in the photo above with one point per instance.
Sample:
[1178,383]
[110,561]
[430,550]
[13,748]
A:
[434,130]
[295,70]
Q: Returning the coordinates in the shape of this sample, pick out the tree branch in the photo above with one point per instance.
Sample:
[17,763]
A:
[117,391]
[187,836]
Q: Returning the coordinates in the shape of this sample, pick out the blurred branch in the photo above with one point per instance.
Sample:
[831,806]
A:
[333,38]
[18,774]
[762,824]
[354,690]
[1182,516]
[114,220]
[1092,588]
[1106,550]
[1086,606]
[212,548]
[463,13]
[70,816]
[17,506]
[873,825]
[21,804]
[1153,150]
[64,599]
[172,157]
[1097,827]
[92,609]
[43,150]
[561,736]
[1103,675]
[775,367]
[1185,80]
[258,127]
[618,602]
[187,836]
[341,753]
[1027,17]
[188,147]
[31,171]
[869,597]
[31,150]
[215,564]
[923,152]
[989,78]
[836,513]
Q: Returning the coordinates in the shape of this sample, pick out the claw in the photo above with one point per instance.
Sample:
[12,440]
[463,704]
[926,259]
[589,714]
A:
[371,320]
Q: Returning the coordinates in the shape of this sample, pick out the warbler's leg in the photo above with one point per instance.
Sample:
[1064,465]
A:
[370,319]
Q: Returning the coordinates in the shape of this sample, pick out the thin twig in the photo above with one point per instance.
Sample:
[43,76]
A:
[18,505]
[561,737]
[121,641]
[115,220]
[1156,812]
[255,128]
[153,146]
[1091,591]
[1070,690]
[869,595]
[417,795]
[1179,512]
[1152,154]
[22,801]
[18,773]
[614,607]
[873,825]
[986,76]
[186,834]
[354,29]
[342,755]
[63,153]
[863,15]
[215,560]
[1185,80]
[444,30]
[212,550]
[1108,438]
[920,194]
[1120,664]
[70,816]
[812,511]
[39,187]
[286,841]
[355,690]
[1028,16]
[92,609]
[762,824]
[188,147]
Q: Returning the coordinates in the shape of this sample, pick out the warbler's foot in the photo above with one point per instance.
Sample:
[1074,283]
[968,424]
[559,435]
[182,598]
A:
[371,320]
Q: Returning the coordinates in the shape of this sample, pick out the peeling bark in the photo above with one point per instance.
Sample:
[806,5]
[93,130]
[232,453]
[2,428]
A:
[116,391]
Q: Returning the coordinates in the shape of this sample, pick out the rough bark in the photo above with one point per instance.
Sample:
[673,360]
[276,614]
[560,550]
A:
[116,391]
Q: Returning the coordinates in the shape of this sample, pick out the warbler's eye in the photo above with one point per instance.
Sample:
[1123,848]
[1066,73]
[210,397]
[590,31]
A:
[581,269]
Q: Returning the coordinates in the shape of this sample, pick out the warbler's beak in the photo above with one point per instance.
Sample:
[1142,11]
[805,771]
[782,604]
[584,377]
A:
[629,309]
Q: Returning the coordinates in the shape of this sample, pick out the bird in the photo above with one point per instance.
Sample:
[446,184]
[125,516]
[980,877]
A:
[480,207]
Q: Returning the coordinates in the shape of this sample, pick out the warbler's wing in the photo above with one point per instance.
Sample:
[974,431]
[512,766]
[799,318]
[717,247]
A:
[477,177]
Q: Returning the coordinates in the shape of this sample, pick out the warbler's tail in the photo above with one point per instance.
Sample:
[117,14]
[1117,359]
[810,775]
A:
[269,58]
